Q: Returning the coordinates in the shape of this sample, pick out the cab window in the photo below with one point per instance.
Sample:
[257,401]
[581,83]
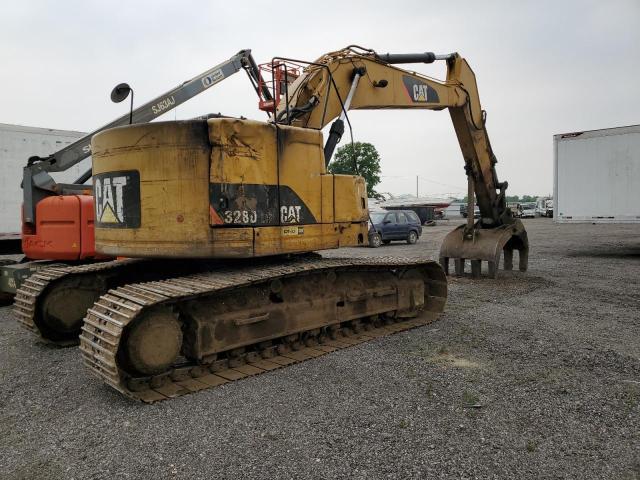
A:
[412,216]
[401,218]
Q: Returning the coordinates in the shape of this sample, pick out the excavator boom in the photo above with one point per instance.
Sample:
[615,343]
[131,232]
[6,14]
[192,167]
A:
[355,78]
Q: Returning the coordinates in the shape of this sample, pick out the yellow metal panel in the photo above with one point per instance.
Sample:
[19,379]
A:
[352,234]
[172,159]
[301,164]
[224,243]
[327,198]
[350,194]
[232,242]
[243,151]
[293,239]
[330,236]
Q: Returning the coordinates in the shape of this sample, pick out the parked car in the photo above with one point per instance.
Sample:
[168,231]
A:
[528,210]
[396,225]
[463,211]
[516,209]
[544,207]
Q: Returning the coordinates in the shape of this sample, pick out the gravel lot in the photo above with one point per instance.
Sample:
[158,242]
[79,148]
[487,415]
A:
[532,375]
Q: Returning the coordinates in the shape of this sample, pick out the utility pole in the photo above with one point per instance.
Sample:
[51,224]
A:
[417,186]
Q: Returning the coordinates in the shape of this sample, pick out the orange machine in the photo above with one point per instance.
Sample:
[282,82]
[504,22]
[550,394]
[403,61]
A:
[63,230]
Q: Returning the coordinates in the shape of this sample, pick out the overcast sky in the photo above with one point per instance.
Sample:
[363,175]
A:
[543,67]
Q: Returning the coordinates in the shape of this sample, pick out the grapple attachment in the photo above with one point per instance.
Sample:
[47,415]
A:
[478,244]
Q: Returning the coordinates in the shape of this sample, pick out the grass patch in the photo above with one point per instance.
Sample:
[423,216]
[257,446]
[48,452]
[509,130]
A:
[470,399]
[428,390]
[449,359]
[630,397]
[442,355]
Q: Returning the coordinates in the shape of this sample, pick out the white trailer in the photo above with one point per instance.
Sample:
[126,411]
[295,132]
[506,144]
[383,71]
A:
[597,176]
[17,144]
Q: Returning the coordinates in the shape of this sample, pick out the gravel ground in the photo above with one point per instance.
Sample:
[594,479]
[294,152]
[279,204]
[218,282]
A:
[532,375]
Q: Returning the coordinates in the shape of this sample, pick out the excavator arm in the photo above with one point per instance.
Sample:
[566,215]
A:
[353,79]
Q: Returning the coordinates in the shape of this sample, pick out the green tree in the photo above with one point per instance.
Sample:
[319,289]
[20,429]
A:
[365,156]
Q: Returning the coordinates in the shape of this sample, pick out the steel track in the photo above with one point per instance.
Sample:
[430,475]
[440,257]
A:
[28,295]
[106,323]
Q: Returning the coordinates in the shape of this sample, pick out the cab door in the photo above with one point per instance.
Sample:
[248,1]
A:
[402,226]
[390,227]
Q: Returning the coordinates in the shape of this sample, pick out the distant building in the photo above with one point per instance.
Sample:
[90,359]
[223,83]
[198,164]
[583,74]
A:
[17,144]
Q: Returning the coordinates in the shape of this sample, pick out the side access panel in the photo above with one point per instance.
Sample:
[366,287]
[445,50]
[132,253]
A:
[243,175]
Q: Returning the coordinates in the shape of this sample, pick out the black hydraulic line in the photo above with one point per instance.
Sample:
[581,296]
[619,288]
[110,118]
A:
[335,134]
[251,67]
[426,57]
[83,178]
[337,128]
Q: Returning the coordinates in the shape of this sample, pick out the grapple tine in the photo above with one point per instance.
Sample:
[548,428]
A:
[485,244]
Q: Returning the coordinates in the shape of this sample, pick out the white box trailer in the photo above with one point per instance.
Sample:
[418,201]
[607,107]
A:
[17,144]
[597,176]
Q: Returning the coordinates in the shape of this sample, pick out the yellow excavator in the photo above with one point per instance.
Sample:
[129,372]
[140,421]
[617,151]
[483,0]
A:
[218,218]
